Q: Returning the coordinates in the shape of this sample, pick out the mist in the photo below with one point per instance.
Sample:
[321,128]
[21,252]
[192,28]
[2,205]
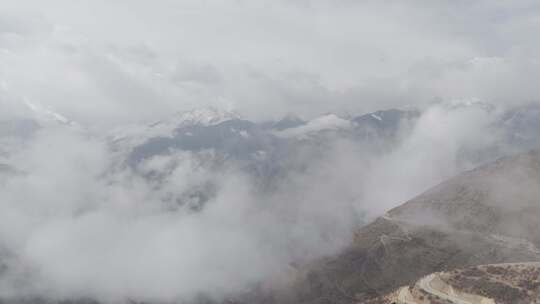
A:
[80,219]
[79,225]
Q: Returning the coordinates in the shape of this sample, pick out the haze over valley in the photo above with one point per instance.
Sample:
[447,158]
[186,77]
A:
[269,152]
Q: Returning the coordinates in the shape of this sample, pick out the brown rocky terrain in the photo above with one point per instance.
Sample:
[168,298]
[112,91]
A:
[484,216]
[512,283]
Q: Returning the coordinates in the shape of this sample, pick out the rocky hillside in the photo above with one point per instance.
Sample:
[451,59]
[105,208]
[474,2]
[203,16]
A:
[484,216]
[486,284]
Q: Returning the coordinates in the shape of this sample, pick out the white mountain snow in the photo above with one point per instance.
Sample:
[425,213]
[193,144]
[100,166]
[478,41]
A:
[321,123]
[132,135]
[47,116]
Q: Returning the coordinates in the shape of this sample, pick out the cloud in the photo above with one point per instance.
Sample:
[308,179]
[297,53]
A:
[313,56]
[74,222]
[77,223]
[80,228]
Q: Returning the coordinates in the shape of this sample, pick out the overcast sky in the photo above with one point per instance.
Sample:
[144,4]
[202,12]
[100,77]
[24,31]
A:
[115,61]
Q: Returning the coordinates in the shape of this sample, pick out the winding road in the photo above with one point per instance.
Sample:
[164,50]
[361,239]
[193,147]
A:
[425,284]
[404,296]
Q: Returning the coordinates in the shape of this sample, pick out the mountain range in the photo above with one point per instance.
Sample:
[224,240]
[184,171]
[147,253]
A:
[485,215]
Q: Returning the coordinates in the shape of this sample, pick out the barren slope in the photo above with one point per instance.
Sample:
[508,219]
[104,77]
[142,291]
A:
[488,215]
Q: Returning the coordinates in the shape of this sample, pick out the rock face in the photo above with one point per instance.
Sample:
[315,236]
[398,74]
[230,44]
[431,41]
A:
[484,216]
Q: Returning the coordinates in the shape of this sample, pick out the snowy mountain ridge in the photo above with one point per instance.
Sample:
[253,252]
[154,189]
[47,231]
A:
[325,122]
[204,116]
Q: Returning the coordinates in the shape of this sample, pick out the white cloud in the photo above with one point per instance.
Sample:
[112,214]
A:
[123,61]
[81,224]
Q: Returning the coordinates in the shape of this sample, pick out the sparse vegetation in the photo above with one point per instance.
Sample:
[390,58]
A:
[506,284]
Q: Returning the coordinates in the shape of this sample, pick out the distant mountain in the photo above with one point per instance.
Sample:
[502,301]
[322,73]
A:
[269,151]
[385,123]
[21,127]
[323,123]
[17,130]
[231,137]
[127,137]
[287,122]
[240,139]
[487,215]
[521,126]
[206,116]
[31,118]
[46,116]
[372,126]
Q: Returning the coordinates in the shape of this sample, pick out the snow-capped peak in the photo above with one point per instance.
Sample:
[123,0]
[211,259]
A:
[46,115]
[287,122]
[469,103]
[206,116]
[377,117]
[325,122]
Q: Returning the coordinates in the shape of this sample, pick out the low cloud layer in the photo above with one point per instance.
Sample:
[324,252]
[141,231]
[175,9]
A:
[74,222]
[77,220]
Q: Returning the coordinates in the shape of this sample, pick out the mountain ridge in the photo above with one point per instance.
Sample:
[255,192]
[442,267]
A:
[418,238]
